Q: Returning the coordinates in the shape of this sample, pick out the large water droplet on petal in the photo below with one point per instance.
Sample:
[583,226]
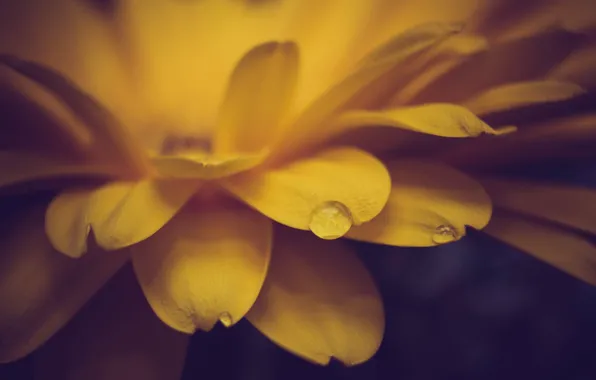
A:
[444,234]
[226,319]
[330,220]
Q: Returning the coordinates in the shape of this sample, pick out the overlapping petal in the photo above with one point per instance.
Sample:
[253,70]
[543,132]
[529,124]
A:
[319,301]
[290,194]
[119,213]
[430,203]
[574,207]
[517,95]
[205,266]
[259,96]
[39,288]
[564,249]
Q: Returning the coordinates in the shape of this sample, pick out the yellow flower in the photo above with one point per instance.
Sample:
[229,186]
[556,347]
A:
[231,144]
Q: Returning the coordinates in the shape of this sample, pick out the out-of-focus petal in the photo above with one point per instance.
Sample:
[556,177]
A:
[108,140]
[560,138]
[344,182]
[40,288]
[204,166]
[561,248]
[522,59]
[517,95]
[116,336]
[17,167]
[445,120]
[319,301]
[578,68]
[205,266]
[430,204]
[571,206]
[258,98]
[351,92]
[72,37]
[119,213]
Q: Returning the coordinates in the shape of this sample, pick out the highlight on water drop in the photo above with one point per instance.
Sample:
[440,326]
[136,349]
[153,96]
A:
[444,234]
[331,220]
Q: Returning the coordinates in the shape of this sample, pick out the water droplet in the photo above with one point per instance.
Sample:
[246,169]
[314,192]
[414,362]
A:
[445,233]
[330,220]
[226,319]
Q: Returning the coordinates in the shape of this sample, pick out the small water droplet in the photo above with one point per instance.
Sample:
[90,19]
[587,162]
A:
[445,234]
[226,319]
[330,220]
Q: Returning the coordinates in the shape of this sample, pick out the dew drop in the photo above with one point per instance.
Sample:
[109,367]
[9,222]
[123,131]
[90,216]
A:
[445,233]
[226,319]
[330,220]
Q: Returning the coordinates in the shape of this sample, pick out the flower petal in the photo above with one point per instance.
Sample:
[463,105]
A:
[116,336]
[291,194]
[319,301]
[110,139]
[430,204]
[445,120]
[17,167]
[517,95]
[562,138]
[41,289]
[572,206]
[73,38]
[21,97]
[204,166]
[578,67]
[204,266]
[259,95]
[306,131]
[119,213]
[565,250]
[523,59]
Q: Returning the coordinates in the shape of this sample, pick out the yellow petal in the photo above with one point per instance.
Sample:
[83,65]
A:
[572,206]
[565,250]
[119,213]
[430,204]
[205,266]
[345,184]
[112,142]
[517,95]
[348,93]
[319,301]
[116,336]
[522,59]
[17,167]
[73,38]
[578,67]
[259,95]
[40,288]
[32,113]
[204,166]
[564,138]
[445,120]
